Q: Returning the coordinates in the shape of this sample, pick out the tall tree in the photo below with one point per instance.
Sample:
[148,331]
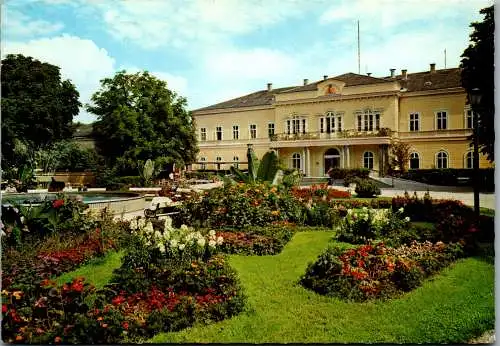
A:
[139,118]
[400,152]
[37,106]
[478,71]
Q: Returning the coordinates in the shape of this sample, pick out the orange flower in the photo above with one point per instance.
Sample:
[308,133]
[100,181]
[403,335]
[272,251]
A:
[19,338]
[57,339]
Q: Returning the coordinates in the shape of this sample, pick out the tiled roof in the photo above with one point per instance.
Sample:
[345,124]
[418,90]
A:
[259,98]
[440,79]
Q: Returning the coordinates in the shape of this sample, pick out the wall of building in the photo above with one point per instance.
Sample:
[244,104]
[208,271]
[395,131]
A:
[428,105]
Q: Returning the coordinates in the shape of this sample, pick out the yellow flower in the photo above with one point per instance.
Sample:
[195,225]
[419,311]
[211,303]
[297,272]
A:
[17,294]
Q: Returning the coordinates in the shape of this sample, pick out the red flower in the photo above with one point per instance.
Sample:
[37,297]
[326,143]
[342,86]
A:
[125,325]
[57,339]
[58,203]
[77,286]
[4,308]
[117,300]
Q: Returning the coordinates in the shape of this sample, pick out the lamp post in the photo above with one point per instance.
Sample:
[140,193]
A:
[475,100]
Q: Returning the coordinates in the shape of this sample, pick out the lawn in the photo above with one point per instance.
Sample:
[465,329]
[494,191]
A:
[450,308]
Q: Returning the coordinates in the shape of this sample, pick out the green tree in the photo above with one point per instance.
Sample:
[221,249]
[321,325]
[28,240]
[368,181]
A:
[139,118]
[478,71]
[400,152]
[37,106]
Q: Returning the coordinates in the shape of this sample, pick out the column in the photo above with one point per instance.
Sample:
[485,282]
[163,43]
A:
[303,160]
[308,162]
[348,158]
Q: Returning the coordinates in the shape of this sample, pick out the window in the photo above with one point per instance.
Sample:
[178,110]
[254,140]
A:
[203,165]
[203,134]
[270,129]
[296,125]
[368,160]
[333,122]
[219,160]
[469,160]
[369,121]
[296,161]
[441,118]
[469,119]
[442,160]
[414,161]
[236,161]
[414,122]
[236,132]
[253,131]
[218,133]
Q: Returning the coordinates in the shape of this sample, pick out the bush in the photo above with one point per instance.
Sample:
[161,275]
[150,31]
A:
[375,271]
[318,192]
[133,180]
[367,188]
[450,176]
[364,225]
[268,240]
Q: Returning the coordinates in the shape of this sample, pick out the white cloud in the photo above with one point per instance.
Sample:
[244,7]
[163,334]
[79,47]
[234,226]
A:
[158,23]
[80,60]
[17,24]
[174,82]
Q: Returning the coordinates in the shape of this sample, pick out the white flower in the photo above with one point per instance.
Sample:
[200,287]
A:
[141,223]
[211,233]
[365,217]
[220,240]
[22,219]
[162,248]
[365,208]
[148,243]
[158,234]
[16,210]
[198,235]
[173,243]
[184,228]
[349,211]
[212,243]
[407,219]
[201,242]
[149,228]
[168,223]
[166,235]
[182,246]
[189,236]
[133,224]
[401,209]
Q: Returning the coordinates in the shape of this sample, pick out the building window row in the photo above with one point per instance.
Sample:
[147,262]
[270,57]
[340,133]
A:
[219,132]
[442,160]
[441,118]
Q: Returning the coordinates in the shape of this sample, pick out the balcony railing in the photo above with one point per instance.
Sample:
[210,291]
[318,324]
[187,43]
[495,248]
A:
[383,132]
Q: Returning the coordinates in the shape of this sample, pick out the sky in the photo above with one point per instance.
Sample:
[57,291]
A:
[210,51]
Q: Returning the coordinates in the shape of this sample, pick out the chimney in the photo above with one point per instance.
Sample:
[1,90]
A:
[392,72]
[433,68]
[368,74]
[325,77]
[403,73]
[269,86]
[306,81]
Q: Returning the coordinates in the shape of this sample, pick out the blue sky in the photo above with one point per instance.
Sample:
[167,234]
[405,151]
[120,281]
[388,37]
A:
[212,50]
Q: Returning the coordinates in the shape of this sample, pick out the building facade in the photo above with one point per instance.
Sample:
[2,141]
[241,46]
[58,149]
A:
[347,121]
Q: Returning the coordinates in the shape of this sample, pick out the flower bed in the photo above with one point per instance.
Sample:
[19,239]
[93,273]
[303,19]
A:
[256,241]
[318,192]
[375,271]
[366,224]
[169,279]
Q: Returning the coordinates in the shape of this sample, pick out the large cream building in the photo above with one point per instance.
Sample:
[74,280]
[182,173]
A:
[347,121]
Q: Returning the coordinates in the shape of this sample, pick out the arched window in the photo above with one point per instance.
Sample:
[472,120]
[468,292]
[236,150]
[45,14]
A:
[368,160]
[442,160]
[469,161]
[296,161]
[219,160]
[203,165]
[236,161]
[414,161]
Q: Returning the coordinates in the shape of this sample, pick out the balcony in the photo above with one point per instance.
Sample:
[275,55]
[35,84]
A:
[384,132]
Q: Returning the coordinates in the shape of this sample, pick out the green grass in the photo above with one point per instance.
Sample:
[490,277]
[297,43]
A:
[450,308]
[487,211]
[98,271]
